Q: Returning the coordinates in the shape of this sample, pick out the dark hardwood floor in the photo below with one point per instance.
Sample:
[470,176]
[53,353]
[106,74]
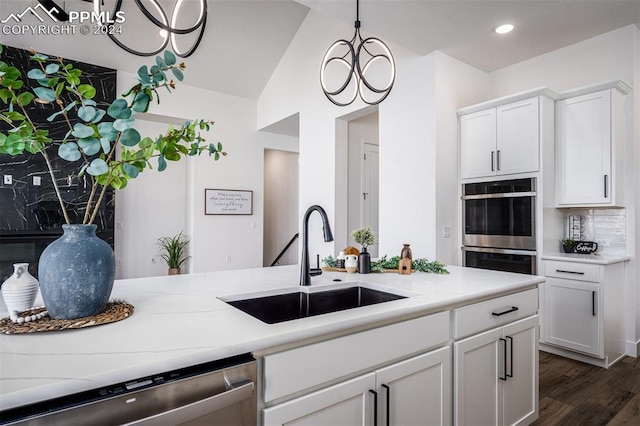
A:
[575,393]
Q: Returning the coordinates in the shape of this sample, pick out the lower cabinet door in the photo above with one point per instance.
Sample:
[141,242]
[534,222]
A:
[476,384]
[572,312]
[348,403]
[520,390]
[416,391]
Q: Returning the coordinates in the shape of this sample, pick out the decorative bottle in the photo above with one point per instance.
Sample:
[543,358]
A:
[340,259]
[406,252]
[20,289]
[364,261]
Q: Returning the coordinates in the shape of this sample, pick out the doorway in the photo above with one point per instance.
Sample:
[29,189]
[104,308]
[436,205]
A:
[370,161]
[280,207]
[363,177]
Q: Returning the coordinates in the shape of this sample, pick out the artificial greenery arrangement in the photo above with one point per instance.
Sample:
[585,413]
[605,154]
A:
[421,265]
[95,134]
[384,264]
[364,236]
[173,250]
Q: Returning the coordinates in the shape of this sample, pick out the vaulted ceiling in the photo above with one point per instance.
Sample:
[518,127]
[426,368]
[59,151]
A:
[245,39]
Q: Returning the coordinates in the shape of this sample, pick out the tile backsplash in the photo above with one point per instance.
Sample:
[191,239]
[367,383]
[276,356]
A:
[607,227]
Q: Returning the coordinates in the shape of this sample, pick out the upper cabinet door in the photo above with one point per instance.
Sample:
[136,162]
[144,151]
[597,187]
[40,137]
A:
[518,137]
[583,150]
[478,144]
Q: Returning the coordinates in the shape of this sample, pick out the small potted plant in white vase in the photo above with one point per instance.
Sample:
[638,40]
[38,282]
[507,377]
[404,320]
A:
[365,237]
[173,251]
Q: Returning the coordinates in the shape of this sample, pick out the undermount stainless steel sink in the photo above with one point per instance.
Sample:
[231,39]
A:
[294,305]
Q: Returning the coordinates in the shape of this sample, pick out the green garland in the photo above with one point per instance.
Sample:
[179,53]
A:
[421,265]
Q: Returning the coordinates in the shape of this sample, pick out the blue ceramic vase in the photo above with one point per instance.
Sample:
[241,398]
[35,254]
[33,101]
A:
[76,273]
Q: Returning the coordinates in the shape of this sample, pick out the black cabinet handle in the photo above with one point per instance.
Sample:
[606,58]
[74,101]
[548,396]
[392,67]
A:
[562,271]
[388,404]
[492,161]
[375,407]
[606,182]
[510,357]
[504,347]
[593,303]
[498,314]
[498,159]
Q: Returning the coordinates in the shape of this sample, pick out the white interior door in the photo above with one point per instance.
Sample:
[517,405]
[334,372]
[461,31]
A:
[370,193]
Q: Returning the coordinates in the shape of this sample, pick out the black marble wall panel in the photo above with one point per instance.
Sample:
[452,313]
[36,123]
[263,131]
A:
[29,207]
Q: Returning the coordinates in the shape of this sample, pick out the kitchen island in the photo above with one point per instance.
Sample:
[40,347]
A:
[179,321]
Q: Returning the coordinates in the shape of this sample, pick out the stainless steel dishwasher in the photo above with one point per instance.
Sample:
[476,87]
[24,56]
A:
[217,393]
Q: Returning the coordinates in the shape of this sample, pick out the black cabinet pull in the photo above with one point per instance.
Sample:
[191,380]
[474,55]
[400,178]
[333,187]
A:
[593,303]
[606,182]
[504,347]
[562,271]
[510,357]
[388,404]
[498,314]
[375,407]
[498,159]
[492,161]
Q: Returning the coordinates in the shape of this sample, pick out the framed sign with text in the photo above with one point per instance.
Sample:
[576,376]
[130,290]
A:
[228,201]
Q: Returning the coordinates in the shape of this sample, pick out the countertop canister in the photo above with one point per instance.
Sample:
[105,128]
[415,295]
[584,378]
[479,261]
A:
[20,289]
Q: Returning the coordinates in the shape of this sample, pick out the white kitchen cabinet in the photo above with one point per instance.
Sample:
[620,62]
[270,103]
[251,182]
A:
[409,363]
[412,392]
[502,140]
[590,148]
[584,311]
[495,361]
[347,403]
[416,391]
[496,375]
[478,143]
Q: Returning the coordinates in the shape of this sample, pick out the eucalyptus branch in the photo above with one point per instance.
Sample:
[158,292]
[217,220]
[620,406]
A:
[92,140]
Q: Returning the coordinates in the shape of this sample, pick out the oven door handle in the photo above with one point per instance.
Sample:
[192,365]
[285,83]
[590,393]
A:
[239,392]
[500,251]
[499,195]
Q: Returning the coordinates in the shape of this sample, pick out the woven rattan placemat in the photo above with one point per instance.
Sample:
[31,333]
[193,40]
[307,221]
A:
[115,311]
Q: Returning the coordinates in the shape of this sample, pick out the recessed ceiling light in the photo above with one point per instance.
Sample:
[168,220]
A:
[504,28]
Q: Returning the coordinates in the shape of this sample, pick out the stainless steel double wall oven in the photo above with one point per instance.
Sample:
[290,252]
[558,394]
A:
[499,222]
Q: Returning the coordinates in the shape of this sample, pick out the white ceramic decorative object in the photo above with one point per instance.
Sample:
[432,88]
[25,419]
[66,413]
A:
[20,289]
[351,263]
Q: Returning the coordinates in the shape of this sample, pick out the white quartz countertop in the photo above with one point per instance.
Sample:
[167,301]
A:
[586,258]
[179,321]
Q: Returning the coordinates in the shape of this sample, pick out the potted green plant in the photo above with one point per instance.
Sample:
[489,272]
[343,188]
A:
[174,251]
[568,245]
[94,135]
[365,237]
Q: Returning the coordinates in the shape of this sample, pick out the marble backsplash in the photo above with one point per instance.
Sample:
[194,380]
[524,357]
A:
[28,201]
[30,213]
[607,227]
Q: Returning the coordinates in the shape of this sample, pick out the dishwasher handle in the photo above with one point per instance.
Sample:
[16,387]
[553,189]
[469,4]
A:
[238,392]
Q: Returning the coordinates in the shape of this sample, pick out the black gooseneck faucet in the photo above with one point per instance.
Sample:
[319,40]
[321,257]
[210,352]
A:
[305,274]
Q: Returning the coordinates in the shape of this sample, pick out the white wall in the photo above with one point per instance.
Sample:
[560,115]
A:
[218,241]
[361,129]
[611,56]
[406,138]
[143,215]
[280,206]
[457,85]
